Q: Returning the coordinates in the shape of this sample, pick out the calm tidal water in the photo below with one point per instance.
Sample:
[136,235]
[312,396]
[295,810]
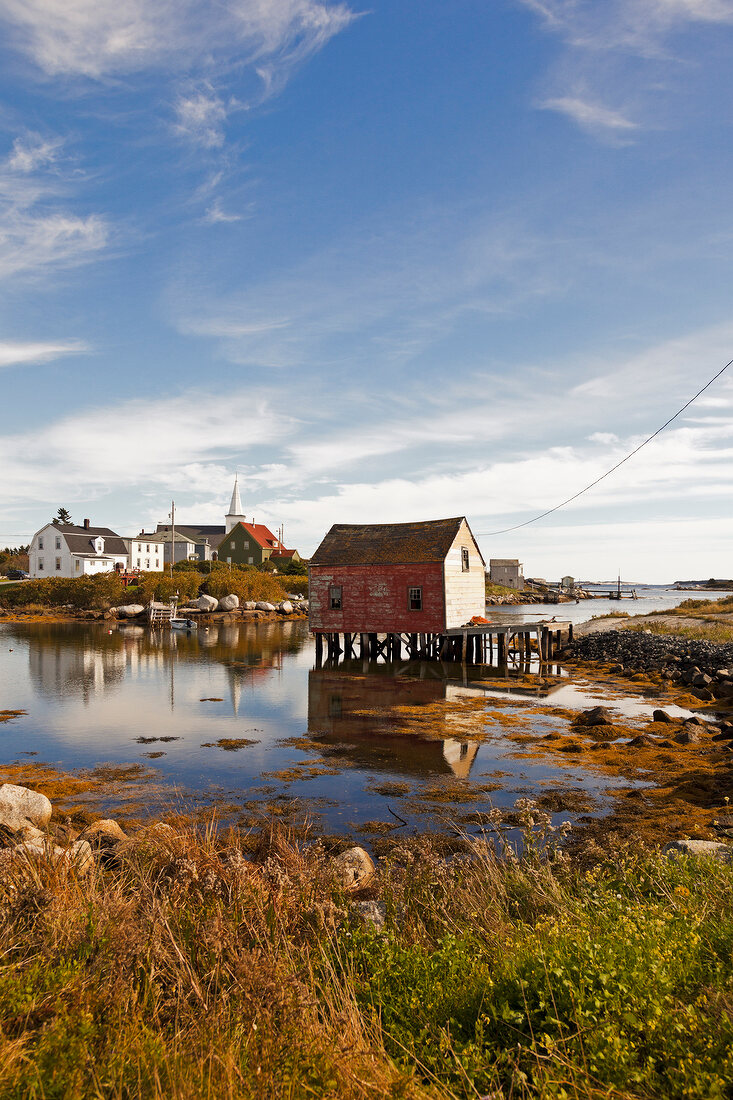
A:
[326,740]
[650,598]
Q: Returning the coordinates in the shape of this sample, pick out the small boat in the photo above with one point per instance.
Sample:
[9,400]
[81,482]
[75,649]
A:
[183,624]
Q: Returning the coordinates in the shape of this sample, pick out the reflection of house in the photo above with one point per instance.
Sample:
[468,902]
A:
[65,550]
[395,577]
[356,714]
[506,571]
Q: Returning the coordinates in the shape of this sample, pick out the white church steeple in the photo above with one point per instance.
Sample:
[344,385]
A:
[234,515]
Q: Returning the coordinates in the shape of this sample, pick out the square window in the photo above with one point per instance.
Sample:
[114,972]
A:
[465,559]
[335,594]
[414,599]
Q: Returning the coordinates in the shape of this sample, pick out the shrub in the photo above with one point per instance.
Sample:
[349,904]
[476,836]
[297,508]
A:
[247,583]
[100,592]
[162,587]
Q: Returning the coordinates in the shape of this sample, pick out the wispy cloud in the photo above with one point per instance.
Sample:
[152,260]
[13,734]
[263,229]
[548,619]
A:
[36,234]
[31,152]
[591,116]
[622,52]
[200,118]
[98,38]
[19,353]
[215,215]
[638,26]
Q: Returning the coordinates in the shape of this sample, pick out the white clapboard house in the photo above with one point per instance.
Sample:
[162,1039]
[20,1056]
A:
[65,550]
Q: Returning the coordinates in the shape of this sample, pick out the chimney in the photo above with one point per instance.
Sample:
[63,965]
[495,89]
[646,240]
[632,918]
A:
[86,524]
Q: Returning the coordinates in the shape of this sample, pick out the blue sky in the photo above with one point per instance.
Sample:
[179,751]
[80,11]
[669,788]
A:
[388,262]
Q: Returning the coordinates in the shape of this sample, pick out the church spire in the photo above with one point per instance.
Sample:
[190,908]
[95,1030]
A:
[235,514]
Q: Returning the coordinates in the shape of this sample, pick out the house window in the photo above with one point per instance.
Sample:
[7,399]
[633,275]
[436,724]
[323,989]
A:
[58,543]
[229,561]
[40,544]
[77,564]
[58,563]
[40,565]
[246,545]
[251,561]
[465,560]
[414,599]
[157,562]
[147,548]
[138,563]
[334,593]
[147,563]
[232,545]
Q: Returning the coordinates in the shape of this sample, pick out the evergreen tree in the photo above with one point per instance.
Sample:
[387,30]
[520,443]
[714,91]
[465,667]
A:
[62,516]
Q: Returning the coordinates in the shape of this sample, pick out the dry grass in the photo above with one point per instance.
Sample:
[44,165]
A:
[180,969]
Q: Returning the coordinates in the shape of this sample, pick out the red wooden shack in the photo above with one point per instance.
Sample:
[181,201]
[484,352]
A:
[391,578]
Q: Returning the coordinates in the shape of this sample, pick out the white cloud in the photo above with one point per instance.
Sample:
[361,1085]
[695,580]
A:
[591,116]
[639,26]
[35,243]
[215,215]
[17,353]
[624,52]
[35,235]
[96,38]
[32,152]
[200,118]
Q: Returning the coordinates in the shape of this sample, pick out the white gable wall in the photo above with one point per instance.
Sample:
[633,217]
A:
[465,592]
[49,556]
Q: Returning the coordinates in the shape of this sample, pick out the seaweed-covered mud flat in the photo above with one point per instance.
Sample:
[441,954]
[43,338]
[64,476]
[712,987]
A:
[238,724]
[705,667]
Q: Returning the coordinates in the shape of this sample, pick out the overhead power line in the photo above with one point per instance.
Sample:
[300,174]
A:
[613,469]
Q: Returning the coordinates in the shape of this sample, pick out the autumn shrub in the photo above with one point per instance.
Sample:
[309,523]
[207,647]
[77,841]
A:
[162,587]
[97,592]
[247,583]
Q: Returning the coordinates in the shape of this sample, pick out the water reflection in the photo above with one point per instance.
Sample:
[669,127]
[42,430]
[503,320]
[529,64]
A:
[353,712]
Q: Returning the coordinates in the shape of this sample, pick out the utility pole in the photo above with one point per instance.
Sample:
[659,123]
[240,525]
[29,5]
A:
[173,534]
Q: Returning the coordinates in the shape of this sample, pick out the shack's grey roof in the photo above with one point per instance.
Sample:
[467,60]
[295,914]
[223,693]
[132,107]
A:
[80,539]
[389,543]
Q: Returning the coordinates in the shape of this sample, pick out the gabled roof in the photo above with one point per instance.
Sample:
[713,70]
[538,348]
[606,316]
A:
[388,543]
[262,535]
[80,539]
[195,531]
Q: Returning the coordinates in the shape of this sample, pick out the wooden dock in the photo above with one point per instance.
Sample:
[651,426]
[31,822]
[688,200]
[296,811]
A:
[160,614]
[488,643]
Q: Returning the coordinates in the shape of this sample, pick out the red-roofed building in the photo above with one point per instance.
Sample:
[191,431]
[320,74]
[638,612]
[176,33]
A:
[251,544]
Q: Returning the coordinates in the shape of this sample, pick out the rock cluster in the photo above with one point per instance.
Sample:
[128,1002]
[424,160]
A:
[702,668]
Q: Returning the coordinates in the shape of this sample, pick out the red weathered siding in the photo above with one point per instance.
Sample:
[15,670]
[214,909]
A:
[374,598]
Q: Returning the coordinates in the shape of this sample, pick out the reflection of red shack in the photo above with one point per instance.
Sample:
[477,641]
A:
[416,578]
[359,717]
